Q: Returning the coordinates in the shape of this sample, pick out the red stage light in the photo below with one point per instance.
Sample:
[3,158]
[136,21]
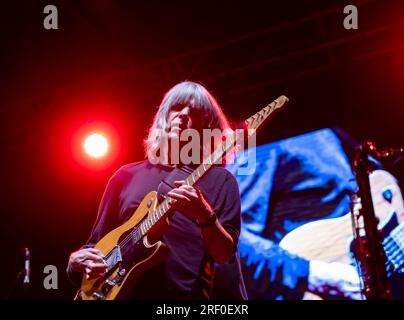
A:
[96,145]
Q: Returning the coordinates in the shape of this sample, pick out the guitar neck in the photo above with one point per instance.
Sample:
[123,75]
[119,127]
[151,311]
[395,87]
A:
[252,124]
[257,120]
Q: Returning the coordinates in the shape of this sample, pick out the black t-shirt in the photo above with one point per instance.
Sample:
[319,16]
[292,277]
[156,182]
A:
[187,270]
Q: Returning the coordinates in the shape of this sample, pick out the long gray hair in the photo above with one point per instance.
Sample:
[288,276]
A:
[184,93]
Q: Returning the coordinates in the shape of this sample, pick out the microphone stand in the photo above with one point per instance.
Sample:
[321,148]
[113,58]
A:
[19,287]
[27,269]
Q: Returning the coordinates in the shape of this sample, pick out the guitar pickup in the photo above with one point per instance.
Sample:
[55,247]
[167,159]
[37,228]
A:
[115,258]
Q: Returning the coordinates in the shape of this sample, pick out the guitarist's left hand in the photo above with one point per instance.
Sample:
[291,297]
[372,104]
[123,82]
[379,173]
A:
[190,201]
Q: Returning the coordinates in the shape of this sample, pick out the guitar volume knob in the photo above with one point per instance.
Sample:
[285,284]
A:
[98,296]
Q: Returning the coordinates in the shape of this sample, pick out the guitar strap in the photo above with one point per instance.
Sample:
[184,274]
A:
[167,184]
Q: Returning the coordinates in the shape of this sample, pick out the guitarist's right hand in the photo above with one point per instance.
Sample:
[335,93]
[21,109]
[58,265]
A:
[90,261]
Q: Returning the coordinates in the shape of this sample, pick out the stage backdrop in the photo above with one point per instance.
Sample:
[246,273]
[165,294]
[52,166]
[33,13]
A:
[296,181]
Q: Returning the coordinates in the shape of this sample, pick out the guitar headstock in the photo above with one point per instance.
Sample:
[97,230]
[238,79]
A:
[255,121]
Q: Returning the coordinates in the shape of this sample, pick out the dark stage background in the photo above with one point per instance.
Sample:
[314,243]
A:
[109,64]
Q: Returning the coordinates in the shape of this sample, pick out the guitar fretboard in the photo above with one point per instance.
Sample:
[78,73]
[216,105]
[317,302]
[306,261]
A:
[393,247]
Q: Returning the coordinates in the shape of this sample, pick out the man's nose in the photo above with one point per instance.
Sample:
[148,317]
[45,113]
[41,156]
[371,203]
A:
[185,113]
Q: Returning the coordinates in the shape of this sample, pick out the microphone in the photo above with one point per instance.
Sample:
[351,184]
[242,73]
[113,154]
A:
[27,267]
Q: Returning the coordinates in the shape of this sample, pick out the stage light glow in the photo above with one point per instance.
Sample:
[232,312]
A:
[96,145]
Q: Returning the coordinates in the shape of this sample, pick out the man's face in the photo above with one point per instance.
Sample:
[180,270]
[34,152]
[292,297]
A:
[183,117]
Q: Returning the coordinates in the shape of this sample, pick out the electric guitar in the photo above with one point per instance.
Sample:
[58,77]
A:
[330,240]
[133,248]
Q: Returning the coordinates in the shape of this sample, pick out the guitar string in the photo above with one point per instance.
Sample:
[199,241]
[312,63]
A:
[137,229]
[397,256]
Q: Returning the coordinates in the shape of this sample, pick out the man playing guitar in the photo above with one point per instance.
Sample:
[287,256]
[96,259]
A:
[205,225]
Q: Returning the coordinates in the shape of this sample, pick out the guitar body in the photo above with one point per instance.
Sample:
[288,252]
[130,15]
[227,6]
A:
[325,240]
[126,263]
[330,240]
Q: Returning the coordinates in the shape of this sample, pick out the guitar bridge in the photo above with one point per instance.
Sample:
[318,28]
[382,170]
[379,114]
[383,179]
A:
[108,285]
[113,261]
